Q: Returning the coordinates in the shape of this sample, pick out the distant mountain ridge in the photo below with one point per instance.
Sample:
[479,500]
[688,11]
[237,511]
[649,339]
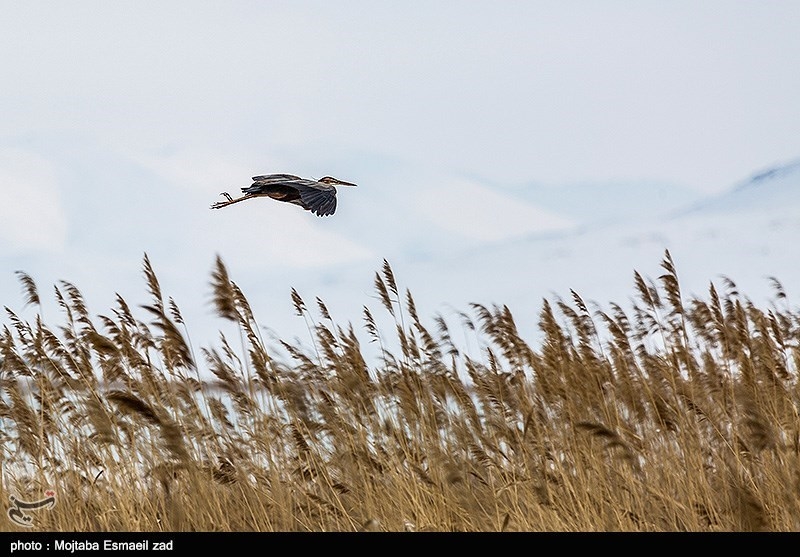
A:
[771,174]
[777,187]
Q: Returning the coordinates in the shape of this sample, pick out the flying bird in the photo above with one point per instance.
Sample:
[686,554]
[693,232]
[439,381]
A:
[317,196]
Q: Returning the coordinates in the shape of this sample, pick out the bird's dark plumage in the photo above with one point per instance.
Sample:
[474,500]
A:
[317,196]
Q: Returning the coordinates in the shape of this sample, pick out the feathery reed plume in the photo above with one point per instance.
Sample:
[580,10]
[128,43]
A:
[223,295]
[173,346]
[26,422]
[611,439]
[28,288]
[132,404]
[170,432]
[152,283]
[777,287]
[388,275]
[175,312]
[298,303]
[383,293]
[370,325]
[671,284]
[323,310]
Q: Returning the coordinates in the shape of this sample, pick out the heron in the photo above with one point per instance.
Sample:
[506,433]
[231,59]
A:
[317,196]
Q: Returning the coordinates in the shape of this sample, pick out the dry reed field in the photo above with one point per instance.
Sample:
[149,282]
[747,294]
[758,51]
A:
[666,414]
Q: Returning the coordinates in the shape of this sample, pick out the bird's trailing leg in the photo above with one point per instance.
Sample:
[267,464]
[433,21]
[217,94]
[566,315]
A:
[230,200]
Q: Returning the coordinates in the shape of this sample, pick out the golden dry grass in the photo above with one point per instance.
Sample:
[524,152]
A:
[671,414]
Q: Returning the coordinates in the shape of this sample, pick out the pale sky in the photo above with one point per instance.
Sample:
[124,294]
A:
[122,121]
[698,93]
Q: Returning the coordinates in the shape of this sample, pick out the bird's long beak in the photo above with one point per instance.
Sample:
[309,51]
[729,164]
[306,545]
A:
[342,183]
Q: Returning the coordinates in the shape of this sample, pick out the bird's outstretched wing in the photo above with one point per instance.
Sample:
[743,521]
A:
[277,178]
[318,200]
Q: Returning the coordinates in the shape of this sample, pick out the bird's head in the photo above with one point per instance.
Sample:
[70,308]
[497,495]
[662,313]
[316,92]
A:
[330,180]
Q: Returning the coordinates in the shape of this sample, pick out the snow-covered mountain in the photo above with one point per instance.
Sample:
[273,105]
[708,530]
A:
[775,189]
